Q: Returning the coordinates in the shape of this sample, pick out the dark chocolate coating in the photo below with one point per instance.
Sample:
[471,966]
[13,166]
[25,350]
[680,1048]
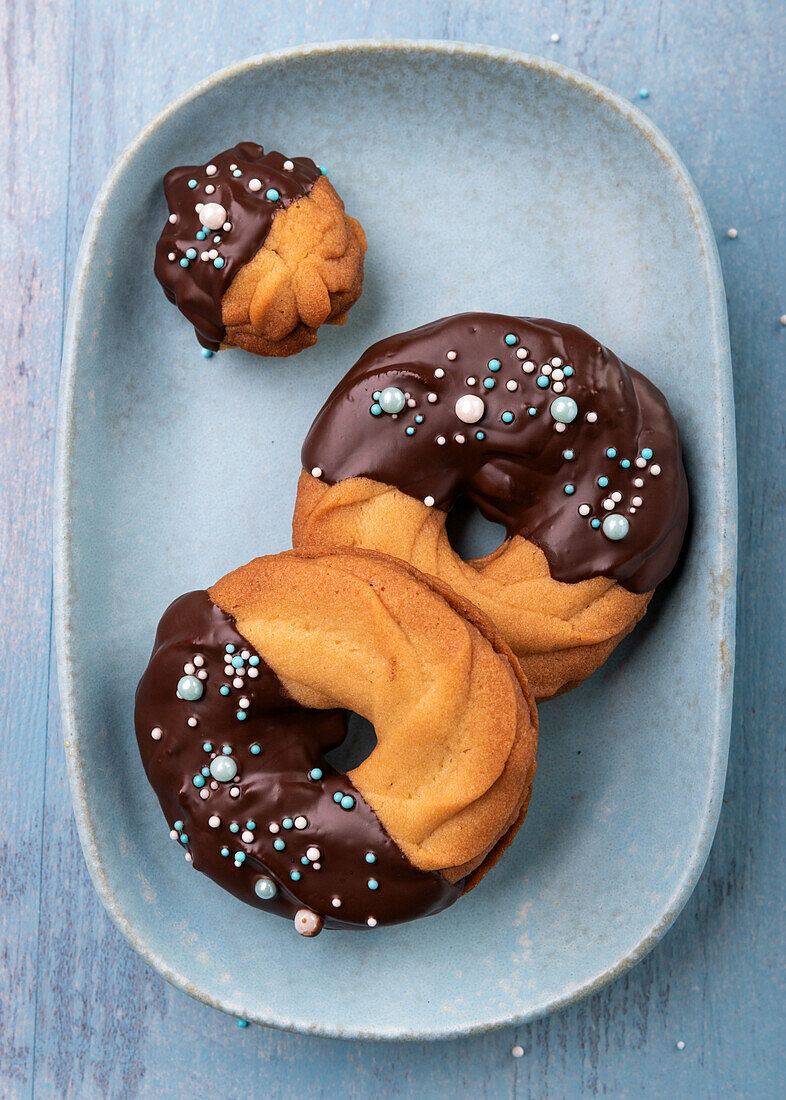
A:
[273,785]
[517,473]
[197,290]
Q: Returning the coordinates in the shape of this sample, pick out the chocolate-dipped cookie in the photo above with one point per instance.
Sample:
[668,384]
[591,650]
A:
[257,251]
[549,434]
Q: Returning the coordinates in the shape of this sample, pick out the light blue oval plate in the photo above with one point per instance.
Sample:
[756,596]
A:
[485,180]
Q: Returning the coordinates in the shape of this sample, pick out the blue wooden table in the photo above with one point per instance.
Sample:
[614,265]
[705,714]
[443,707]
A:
[80,1014]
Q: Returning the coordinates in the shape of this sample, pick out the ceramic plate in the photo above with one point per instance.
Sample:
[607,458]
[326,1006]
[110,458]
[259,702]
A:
[485,180]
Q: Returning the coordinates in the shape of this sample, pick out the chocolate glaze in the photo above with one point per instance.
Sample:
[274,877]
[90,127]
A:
[197,290]
[273,785]
[517,473]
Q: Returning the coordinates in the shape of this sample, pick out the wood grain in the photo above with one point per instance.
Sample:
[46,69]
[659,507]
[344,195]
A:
[80,1014]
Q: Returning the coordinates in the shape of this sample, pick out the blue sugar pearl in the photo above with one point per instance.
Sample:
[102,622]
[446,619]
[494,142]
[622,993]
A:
[644,93]
[253,661]
[347,802]
[376,409]
[190,688]
[295,876]
[570,489]
[206,772]
[223,768]
[489,383]
[568,455]
[207,746]
[240,857]
[410,431]
[615,527]
[178,825]
[377,394]
[237,173]
[237,662]
[234,827]
[625,463]
[322,169]
[511,339]
[251,825]
[480,435]
[507,418]
[183,838]
[191,253]
[494,365]
[229,648]
[272,194]
[305,861]
[224,690]
[392,400]
[225,852]
[337,796]
[603,482]
[611,452]
[227,750]
[265,889]
[370,857]
[279,845]
[184,263]
[532,412]
[206,353]
[218,262]
[241,716]
[372,884]
[255,750]
[242,1023]
[192,184]
[567,371]
[315,773]
[418,419]
[564,409]
[287,823]
[646,453]
[201,235]
[594,523]
[543,382]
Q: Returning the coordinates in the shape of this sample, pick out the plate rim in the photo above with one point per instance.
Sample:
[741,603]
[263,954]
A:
[727,551]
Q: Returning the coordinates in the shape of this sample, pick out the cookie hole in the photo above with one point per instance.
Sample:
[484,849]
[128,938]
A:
[356,747]
[470,535]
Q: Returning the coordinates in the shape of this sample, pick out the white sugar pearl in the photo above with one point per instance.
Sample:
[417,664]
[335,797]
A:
[237,682]
[452,355]
[204,793]
[555,38]
[209,189]
[189,858]
[558,375]
[273,828]
[731,233]
[226,226]
[372,922]
[655,471]
[173,834]
[204,256]
[253,673]
[255,185]
[439,373]
[172,256]
[556,361]
[428,501]
[637,502]
[432,398]
[528,367]
[471,380]
[246,836]
[202,674]
[245,654]
[189,669]
[641,463]
[232,167]
[558,427]
[198,207]
[512,385]
[517,1052]
[243,703]
[521,353]
[214,821]
[234,792]
[213,253]
[638,482]
[214,784]
[301,822]
[192,722]
[411,403]
[459,438]
[288,166]
[608,504]
[470,408]
[307,923]
[591,418]
[172,219]
[584,509]
[211,170]
[558,387]
[336,903]
[313,853]
[616,497]
[199,660]
[441,441]
[228,670]
[546,368]
[316,471]
[316,866]
[156,733]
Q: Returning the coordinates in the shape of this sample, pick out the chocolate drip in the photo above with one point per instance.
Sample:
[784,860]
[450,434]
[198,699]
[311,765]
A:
[198,288]
[271,787]
[520,465]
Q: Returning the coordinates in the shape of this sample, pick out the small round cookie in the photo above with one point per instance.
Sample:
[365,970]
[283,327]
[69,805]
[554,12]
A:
[245,693]
[549,434]
[257,251]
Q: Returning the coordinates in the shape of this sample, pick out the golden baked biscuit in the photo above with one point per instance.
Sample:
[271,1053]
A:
[258,252]
[246,691]
[548,433]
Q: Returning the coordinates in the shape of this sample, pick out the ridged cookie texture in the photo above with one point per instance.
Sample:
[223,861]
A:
[258,251]
[245,693]
[548,433]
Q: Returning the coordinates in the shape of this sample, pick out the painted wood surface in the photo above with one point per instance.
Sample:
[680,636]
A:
[80,1014]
